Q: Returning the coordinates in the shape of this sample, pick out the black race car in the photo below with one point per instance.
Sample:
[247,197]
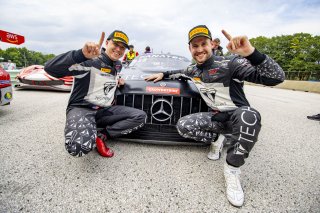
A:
[164,102]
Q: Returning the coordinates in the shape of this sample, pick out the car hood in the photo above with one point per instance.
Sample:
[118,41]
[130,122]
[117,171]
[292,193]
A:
[135,83]
[37,73]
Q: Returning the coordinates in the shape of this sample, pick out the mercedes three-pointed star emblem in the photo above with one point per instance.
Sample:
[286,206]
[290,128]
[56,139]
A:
[161,110]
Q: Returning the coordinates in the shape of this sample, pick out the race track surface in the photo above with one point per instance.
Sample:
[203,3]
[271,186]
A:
[282,173]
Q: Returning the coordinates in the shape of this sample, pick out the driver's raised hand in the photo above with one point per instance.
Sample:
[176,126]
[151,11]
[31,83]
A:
[239,45]
[154,77]
[91,50]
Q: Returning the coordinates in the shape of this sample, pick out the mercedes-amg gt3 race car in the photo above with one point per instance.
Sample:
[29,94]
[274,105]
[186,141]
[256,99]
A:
[164,102]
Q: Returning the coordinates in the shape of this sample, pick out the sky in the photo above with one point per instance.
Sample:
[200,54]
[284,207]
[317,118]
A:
[57,26]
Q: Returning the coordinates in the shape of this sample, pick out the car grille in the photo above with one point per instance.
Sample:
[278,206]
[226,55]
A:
[181,106]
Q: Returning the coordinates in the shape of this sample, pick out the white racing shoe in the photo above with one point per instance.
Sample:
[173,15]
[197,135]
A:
[216,148]
[234,190]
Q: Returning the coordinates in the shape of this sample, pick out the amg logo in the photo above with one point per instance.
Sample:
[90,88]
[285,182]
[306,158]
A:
[108,87]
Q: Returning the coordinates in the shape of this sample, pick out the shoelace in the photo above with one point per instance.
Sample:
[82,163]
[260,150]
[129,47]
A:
[232,179]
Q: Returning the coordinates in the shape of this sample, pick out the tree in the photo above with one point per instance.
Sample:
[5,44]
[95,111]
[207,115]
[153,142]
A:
[24,57]
[297,52]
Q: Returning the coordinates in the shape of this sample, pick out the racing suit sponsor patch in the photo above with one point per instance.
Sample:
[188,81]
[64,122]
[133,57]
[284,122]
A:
[106,70]
[118,67]
[213,71]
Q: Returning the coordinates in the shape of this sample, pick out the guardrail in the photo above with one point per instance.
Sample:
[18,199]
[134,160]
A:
[303,75]
[306,86]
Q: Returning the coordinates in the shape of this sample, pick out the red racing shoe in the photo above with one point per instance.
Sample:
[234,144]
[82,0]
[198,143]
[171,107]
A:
[103,150]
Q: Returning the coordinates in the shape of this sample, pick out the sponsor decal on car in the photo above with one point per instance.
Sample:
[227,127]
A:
[4,82]
[163,90]
[143,57]
[8,96]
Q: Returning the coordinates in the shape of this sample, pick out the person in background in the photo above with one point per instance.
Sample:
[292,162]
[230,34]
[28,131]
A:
[220,83]
[147,50]
[131,54]
[91,115]
[217,49]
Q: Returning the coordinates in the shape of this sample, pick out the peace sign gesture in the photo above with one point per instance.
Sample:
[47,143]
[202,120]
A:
[91,50]
[239,45]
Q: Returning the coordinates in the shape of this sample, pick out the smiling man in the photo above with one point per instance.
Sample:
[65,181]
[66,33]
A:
[91,115]
[219,80]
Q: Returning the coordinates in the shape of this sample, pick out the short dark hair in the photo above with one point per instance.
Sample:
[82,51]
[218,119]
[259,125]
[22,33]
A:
[147,48]
[131,46]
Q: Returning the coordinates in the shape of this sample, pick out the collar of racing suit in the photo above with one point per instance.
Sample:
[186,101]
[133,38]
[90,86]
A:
[114,64]
[207,64]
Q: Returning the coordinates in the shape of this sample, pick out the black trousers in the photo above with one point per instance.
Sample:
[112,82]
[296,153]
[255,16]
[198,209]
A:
[83,124]
[243,123]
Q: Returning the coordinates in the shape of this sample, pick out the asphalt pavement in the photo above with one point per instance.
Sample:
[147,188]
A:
[282,173]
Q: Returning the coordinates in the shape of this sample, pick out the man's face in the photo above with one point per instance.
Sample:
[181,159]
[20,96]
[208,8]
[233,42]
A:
[115,50]
[131,49]
[216,44]
[201,49]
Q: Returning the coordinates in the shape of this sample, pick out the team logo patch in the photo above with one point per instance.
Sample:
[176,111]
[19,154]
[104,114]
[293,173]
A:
[213,71]
[108,87]
[118,67]
[105,70]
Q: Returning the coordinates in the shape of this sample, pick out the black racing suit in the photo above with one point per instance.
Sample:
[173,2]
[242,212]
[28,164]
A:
[220,83]
[91,100]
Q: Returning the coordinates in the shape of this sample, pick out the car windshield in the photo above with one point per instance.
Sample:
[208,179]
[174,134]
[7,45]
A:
[160,62]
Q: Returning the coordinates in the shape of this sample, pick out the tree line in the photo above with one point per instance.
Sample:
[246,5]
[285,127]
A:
[24,57]
[297,54]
